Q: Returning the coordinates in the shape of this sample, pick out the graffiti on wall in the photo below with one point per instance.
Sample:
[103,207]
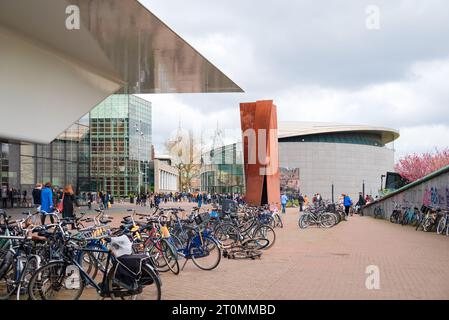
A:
[434,197]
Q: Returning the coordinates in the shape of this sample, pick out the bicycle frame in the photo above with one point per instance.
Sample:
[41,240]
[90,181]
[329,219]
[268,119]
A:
[19,266]
[103,291]
[194,242]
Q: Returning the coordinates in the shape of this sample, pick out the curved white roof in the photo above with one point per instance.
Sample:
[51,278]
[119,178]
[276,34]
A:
[301,128]
[52,75]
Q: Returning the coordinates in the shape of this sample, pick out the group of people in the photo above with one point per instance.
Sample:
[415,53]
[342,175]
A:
[13,196]
[346,201]
[155,199]
[303,200]
[46,199]
[317,200]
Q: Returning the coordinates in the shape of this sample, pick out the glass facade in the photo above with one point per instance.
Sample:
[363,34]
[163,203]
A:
[65,160]
[370,139]
[120,135]
[100,152]
[222,170]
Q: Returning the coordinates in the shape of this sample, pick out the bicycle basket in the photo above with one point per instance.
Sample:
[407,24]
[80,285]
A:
[198,220]
[202,218]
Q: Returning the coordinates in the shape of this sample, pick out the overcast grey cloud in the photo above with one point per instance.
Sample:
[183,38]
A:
[318,62]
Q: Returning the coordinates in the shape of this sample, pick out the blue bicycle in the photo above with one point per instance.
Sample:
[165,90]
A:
[201,247]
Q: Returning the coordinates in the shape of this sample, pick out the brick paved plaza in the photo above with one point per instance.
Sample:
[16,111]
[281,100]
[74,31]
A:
[327,264]
[323,264]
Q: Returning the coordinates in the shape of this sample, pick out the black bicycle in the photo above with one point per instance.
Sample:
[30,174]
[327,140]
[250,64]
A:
[124,277]
[379,213]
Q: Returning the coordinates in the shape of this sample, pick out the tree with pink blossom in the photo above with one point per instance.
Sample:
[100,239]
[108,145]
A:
[415,166]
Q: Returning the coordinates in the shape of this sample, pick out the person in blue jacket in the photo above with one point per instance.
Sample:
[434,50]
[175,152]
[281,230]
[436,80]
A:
[46,202]
[284,200]
[347,202]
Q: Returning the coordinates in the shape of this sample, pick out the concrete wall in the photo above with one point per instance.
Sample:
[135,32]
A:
[345,165]
[434,192]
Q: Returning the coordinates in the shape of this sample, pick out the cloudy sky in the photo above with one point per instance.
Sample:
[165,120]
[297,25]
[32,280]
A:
[319,61]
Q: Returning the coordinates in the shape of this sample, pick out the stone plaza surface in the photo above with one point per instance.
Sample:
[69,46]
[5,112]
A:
[327,264]
[323,264]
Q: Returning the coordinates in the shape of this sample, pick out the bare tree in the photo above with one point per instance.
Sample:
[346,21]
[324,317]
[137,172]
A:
[186,156]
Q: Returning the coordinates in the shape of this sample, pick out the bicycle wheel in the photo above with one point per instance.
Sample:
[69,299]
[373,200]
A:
[205,254]
[278,220]
[7,272]
[22,289]
[149,287]
[89,263]
[152,284]
[427,225]
[441,226]
[327,220]
[227,234]
[419,223]
[245,254]
[270,221]
[265,232]
[304,221]
[170,255]
[56,281]
[256,244]
[154,251]
[176,243]
[393,218]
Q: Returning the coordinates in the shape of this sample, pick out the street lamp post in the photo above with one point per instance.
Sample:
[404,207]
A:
[363,188]
[141,135]
[333,199]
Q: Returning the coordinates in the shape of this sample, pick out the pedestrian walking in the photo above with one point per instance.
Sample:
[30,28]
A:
[90,198]
[284,200]
[47,202]
[11,193]
[106,198]
[4,197]
[68,202]
[360,203]
[347,203]
[157,201]
[36,195]
[301,202]
[200,200]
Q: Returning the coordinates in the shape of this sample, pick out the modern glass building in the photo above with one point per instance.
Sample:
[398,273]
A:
[100,152]
[121,135]
[222,170]
[65,160]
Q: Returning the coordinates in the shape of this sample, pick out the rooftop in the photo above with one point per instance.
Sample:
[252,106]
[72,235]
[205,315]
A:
[288,129]
[56,74]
